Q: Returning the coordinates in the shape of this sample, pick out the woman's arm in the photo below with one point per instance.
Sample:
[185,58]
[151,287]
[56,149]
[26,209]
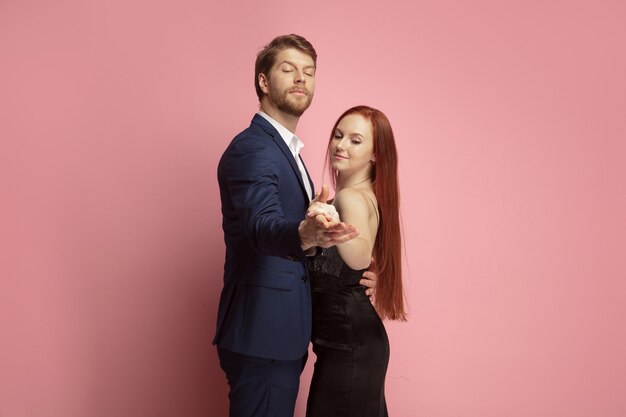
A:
[355,209]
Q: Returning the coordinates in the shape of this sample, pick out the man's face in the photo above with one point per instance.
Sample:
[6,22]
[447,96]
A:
[291,82]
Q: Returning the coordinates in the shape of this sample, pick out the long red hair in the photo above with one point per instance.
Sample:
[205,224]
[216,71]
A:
[389,299]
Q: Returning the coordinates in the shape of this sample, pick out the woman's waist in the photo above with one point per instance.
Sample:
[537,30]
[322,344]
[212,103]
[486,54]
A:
[325,282]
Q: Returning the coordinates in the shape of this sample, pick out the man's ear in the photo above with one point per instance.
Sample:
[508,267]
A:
[262,80]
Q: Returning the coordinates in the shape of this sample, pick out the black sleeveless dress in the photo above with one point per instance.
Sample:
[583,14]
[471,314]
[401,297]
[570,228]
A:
[350,343]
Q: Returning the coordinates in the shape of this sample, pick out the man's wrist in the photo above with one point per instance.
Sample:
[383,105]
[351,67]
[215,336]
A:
[304,244]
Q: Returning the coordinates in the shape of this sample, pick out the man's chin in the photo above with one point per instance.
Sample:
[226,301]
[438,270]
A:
[295,110]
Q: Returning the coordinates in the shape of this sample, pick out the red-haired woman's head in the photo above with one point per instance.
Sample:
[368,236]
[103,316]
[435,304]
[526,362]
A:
[385,157]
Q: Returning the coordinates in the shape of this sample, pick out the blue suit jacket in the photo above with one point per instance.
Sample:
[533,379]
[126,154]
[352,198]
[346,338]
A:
[265,305]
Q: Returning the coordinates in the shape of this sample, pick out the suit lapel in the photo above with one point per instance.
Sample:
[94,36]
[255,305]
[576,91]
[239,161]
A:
[278,140]
[309,177]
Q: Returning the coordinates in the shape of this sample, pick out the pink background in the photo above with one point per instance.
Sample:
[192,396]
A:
[510,121]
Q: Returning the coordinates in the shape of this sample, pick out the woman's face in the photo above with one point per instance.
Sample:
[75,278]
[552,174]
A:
[352,146]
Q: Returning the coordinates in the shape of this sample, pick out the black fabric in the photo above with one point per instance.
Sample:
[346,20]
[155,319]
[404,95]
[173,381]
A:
[350,343]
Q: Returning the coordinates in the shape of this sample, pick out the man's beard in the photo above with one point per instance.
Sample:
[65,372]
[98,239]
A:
[293,107]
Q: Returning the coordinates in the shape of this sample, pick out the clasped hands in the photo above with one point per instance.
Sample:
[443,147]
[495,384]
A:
[322,226]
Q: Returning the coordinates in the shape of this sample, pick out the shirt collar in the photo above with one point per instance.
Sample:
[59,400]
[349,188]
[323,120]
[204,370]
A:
[287,136]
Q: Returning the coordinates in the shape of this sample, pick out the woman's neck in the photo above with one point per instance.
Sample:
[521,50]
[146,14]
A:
[353,182]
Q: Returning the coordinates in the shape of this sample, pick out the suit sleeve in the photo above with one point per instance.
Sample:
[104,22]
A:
[249,173]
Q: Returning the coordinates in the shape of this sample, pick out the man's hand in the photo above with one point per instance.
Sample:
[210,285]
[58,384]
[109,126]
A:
[322,229]
[368,280]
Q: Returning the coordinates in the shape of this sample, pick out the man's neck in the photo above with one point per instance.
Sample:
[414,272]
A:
[287,120]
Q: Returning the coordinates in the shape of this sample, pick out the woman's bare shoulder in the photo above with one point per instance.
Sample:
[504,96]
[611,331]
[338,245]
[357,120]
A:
[355,199]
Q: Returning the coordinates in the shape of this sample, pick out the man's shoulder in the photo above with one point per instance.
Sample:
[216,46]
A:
[250,139]
[256,139]
[259,128]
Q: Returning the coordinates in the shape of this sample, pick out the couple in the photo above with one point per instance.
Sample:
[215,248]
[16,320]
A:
[295,268]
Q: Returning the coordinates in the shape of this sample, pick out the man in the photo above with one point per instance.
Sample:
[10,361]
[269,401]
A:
[264,316]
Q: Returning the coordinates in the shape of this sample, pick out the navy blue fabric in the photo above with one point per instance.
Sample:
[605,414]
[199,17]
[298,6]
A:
[265,305]
[261,387]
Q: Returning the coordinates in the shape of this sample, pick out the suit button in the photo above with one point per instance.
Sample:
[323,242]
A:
[304,278]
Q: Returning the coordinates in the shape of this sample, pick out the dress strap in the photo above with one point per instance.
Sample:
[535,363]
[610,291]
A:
[373,205]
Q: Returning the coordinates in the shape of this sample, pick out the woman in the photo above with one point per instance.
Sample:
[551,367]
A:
[349,338]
